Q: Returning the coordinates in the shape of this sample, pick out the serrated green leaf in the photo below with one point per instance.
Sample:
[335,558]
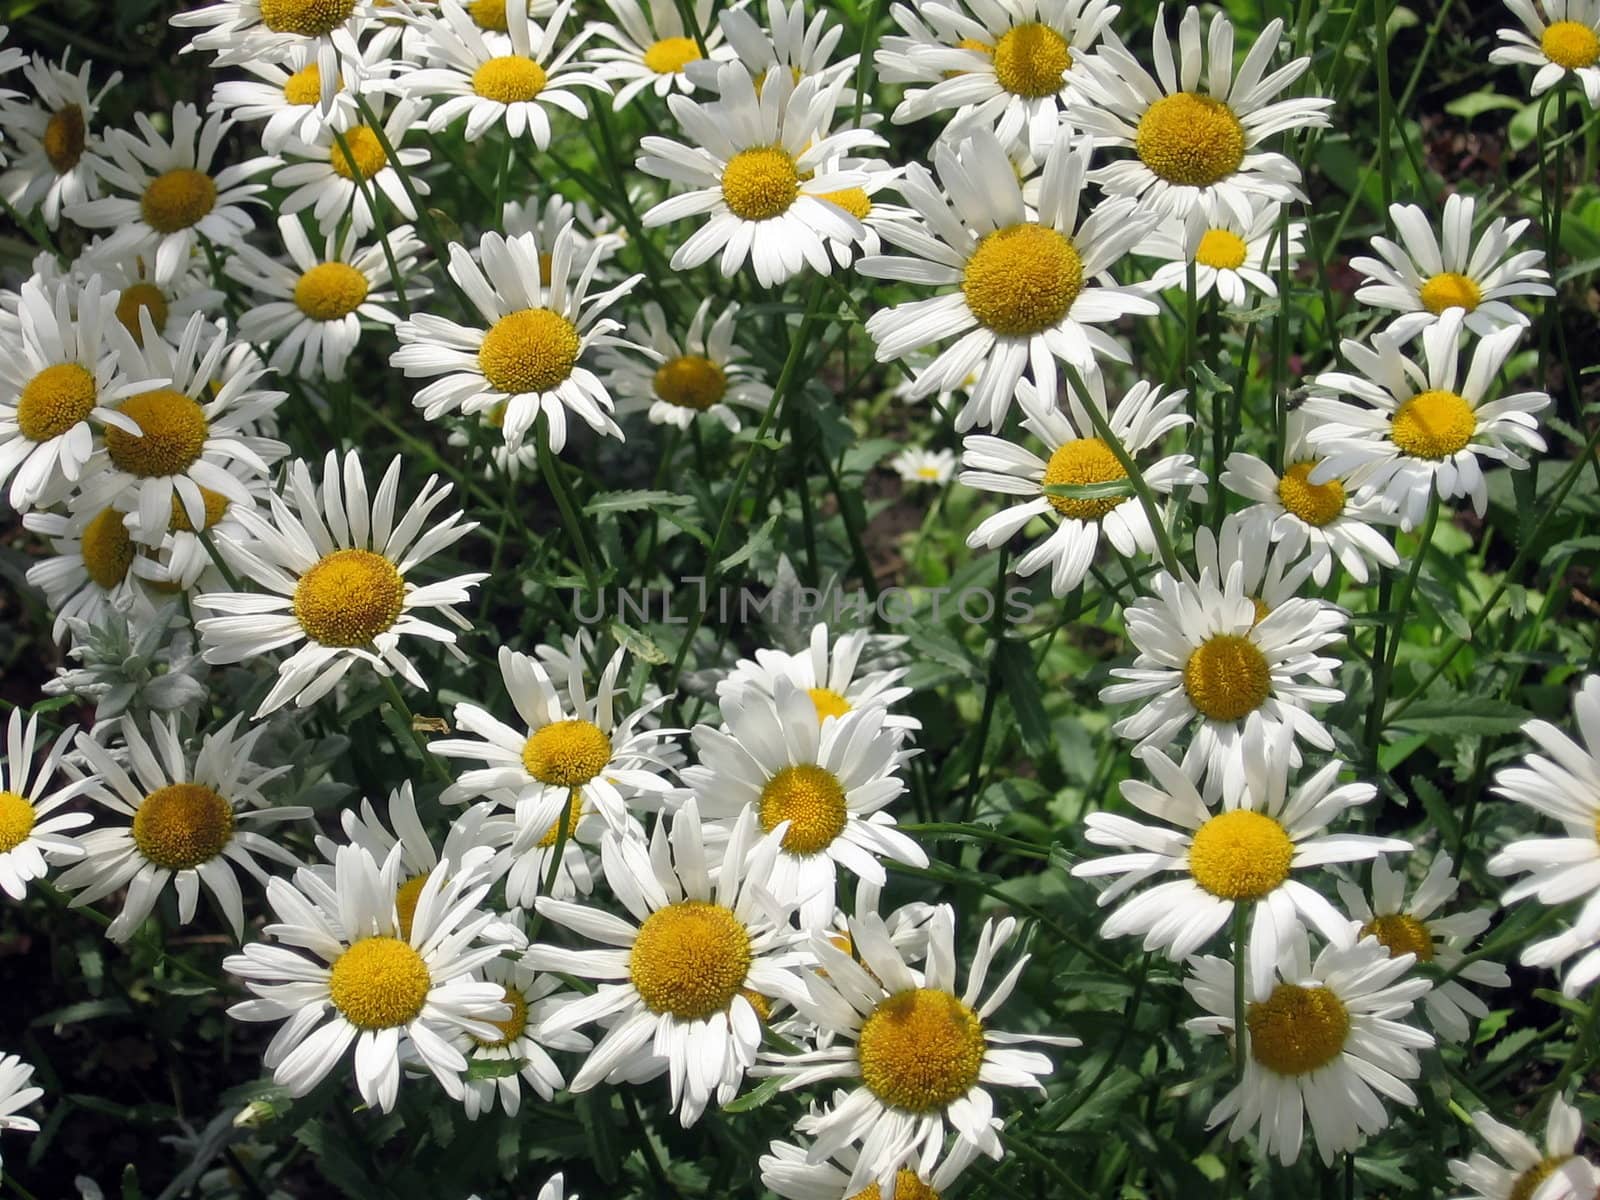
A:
[755,1097]
[637,644]
[494,1068]
[1459,715]
[633,501]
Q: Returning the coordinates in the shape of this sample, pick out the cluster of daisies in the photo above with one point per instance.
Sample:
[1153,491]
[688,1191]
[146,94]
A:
[615,900]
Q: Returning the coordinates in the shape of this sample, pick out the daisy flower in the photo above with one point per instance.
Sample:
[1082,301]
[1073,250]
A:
[528,361]
[188,822]
[1001,66]
[170,302]
[1191,144]
[650,49]
[501,80]
[677,981]
[836,672]
[788,1170]
[916,464]
[1551,1172]
[1078,457]
[863,204]
[340,949]
[1414,929]
[518,1039]
[1568,42]
[1324,1040]
[334,184]
[1254,851]
[1411,430]
[534,846]
[1229,254]
[704,373]
[1210,664]
[1422,279]
[241,31]
[54,134]
[790,42]
[335,569]
[1022,279]
[755,166]
[827,782]
[183,560]
[15,1076]
[545,220]
[310,308]
[169,198]
[915,1053]
[1271,572]
[30,837]
[93,569]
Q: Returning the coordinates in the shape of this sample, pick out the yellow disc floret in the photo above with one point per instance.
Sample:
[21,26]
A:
[1030,61]
[16,820]
[1190,140]
[137,298]
[348,598]
[690,381]
[574,812]
[1401,933]
[1433,425]
[1571,44]
[1222,249]
[216,504]
[690,959]
[178,199]
[55,400]
[1022,279]
[566,753]
[509,79]
[1296,1030]
[907,1186]
[182,825]
[174,430]
[761,183]
[531,350]
[1314,503]
[330,291]
[671,55]
[513,1026]
[106,549]
[1450,290]
[308,18]
[1227,677]
[405,902]
[1526,1185]
[854,201]
[1083,462]
[304,86]
[812,800]
[64,137]
[1240,855]
[920,1049]
[828,703]
[367,154]
[489,14]
[378,983]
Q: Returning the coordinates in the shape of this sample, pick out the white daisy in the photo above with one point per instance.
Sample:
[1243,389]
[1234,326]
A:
[169,199]
[798,46]
[1412,430]
[240,31]
[93,569]
[788,1170]
[1569,40]
[917,464]
[170,302]
[1208,663]
[310,309]
[546,219]
[1271,572]
[334,567]
[529,361]
[15,1075]
[334,184]
[1078,457]
[341,949]
[1191,144]
[534,847]
[1022,280]
[55,135]
[1422,280]
[1324,1041]
[676,987]
[706,372]
[841,674]
[188,822]
[1228,253]
[754,165]
[1551,1172]
[30,837]
[519,1042]
[650,49]
[864,205]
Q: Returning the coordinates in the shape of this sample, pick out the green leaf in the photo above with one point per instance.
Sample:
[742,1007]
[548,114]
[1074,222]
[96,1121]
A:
[755,1097]
[1462,715]
[87,1010]
[1014,661]
[494,1068]
[1089,491]
[637,644]
[756,541]
[633,501]
[1478,103]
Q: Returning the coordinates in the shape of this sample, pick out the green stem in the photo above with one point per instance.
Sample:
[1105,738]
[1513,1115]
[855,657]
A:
[365,185]
[227,573]
[551,470]
[1241,948]
[991,690]
[1383,668]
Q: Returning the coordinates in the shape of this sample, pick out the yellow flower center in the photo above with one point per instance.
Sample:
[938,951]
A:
[1571,44]
[1190,140]
[489,14]
[182,825]
[1023,279]
[137,298]
[55,400]
[1082,462]
[509,78]
[1031,59]
[920,1049]
[968,43]
[1526,1185]
[305,86]
[330,291]
[378,983]
[671,55]
[762,1004]
[1240,855]
[64,138]
[216,504]
[760,184]
[1433,425]
[854,201]
[1222,249]
[828,703]
[106,549]
[1227,677]
[405,902]
[690,959]
[177,199]
[308,18]
[513,1026]
[366,154]
[1314,503]
[348,598]
[174,433]
[573,814]
[1450,290]
[532,350]
[811,799]
[690,381]
[566,753]
[1402,934]
[1296,1030]
[16,821]
[907,1186]
[928,472]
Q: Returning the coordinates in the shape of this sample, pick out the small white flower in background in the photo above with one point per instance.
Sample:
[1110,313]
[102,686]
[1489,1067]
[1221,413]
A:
[181,560]
[1554,1171]
[152,664]
[1142,419]
[1325,1039]
[703,373]
[15,1093]
[520,1041]
[650,49]
[1229,254]
[1272,572]
[1412,430]
[170,302]
[30,836]
[191,820]
[788,41]
[841,674]
[863,204]
[788,1170]
[321,176]
[545,219]
[1568,43]
[1414,929]
[55,135]
[93,570]
[1422,279]
[918,465]
[326,31]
